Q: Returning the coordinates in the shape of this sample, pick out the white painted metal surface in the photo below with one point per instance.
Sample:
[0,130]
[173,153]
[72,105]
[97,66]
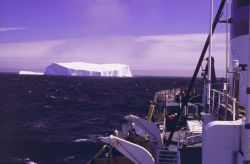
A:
[150,128]
[135,153]
[194,126]
[221,140]
[247,120]
[194,133]
[239,51]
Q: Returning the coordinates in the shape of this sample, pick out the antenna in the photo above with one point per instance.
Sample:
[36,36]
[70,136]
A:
[209,57]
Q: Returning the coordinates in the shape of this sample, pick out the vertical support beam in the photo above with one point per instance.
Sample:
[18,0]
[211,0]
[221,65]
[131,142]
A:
[227,52]
[236,85]
[234,111]
[218,107]
[226,108]
[209,58]
[213,101]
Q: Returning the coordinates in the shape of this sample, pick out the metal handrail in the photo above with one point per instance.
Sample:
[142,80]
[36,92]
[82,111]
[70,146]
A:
[221,93]
[232,99]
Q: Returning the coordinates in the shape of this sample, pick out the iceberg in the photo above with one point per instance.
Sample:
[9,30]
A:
[88,69]
[30,73]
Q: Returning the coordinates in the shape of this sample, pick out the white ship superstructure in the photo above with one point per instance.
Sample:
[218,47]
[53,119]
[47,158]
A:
[239,43]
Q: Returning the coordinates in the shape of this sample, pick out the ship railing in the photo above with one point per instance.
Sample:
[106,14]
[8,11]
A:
[220,99]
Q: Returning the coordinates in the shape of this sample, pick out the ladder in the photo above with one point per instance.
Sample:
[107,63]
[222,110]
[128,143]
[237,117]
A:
[165,156]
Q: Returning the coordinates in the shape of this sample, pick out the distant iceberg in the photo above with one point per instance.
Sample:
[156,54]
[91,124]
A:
[30,73]
[88,69]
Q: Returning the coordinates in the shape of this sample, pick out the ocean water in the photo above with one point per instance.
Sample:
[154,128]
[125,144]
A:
[43,117]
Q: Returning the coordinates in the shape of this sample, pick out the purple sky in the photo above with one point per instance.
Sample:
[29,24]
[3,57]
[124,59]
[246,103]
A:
[155,35]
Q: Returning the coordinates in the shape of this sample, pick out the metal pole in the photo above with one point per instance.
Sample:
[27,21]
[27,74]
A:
[225,112]
[234,112]
[209,59]
[227,52]
[213,100]
[236,85]
[218,107]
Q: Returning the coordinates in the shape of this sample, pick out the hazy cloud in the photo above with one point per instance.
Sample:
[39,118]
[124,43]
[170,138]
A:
[5,29]
[156,52]
[27,49]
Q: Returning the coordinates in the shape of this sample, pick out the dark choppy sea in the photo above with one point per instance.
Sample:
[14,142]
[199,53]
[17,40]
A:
[41,117]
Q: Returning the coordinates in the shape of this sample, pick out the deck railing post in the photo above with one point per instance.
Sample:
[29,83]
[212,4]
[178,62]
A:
[218,103]
[220,98]
[225,113]
[234,114]
[213,101]
[218,106]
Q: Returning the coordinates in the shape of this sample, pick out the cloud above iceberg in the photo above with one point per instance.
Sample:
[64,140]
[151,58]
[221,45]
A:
[164,53]
[5,29]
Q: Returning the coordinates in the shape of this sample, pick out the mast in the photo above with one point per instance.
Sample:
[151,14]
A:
[227,53]
[209,58]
